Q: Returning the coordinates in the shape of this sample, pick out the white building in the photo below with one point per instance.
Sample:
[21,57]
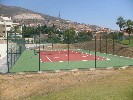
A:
[6,24]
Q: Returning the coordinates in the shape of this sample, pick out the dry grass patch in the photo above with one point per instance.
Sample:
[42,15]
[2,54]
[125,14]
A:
[45,85]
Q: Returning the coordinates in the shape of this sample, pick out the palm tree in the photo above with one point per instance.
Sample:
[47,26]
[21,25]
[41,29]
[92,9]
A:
[120,22]
[129,27]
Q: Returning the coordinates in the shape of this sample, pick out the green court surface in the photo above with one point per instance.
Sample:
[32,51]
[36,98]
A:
[29,62]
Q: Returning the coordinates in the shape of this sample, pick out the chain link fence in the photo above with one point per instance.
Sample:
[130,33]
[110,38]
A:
[66,52]
[15,48]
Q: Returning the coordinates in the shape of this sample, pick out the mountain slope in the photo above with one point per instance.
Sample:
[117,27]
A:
[9,10]
[25,16]
[13,10]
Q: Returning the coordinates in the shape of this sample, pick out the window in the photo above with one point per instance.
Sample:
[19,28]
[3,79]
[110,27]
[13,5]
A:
[8,25]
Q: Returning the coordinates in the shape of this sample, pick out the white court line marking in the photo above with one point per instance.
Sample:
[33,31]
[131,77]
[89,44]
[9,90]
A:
[56,57]
[108,59]
[127,57]
[40,60]
[83,56]
[121,56]
[84,60]
[61,61]
[49,59]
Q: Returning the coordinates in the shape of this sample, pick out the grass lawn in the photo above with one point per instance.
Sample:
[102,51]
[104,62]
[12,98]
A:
[115,87]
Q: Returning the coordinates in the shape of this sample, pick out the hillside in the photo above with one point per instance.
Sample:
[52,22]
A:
[25,16]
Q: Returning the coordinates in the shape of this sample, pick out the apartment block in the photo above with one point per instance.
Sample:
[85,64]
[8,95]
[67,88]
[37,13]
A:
[6,26]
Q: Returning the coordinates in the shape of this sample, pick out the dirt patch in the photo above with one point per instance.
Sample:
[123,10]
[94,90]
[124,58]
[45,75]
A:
[119,49]
[21,86]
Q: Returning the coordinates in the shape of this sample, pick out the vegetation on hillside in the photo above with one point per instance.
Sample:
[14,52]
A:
[55,35]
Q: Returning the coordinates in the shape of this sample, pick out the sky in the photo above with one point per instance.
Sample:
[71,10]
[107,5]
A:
[103,13]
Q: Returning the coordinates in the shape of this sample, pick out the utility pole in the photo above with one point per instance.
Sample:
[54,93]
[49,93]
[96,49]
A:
[59,15]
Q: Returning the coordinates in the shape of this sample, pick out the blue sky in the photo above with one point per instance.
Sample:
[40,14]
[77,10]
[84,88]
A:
[95,12]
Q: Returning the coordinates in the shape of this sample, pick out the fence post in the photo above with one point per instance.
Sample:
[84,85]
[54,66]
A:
[11,56]
[68,47]
[39,52]
[52,43]
[7,54]
[106,44]
[100,43]
[16,51]
[95,51]
[20,48]
[113,46]
[43,46]
[129,38]
[14,59]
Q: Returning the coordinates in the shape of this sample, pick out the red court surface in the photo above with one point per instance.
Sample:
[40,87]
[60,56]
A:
[62,55]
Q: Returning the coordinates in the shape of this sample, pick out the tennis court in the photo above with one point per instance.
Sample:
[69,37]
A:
[65,55]
[30,62]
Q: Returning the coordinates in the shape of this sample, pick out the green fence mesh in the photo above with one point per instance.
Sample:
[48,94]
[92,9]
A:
[42,53]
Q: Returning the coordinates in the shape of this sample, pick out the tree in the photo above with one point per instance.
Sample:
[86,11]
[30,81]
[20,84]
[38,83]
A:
[51,31]
[43,29]
[23,30]
[129,27]
[114,35]
[84,36]
[15,29]
[69,35]
[29,31]
[120,36]
[120,22]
